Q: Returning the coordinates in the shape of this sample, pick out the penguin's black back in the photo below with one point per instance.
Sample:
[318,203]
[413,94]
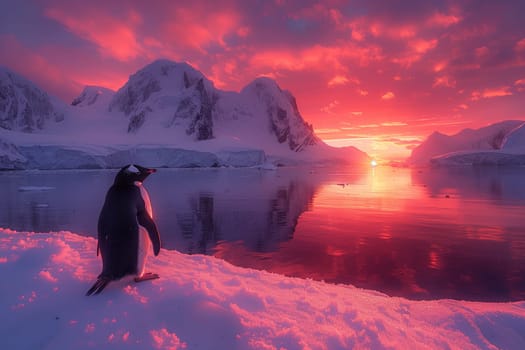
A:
[118,230]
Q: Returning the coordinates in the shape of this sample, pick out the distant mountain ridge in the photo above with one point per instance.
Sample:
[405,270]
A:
[487,145]
[167,114]
[25,107]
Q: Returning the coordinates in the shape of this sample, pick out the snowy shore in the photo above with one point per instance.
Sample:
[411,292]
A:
[202,302]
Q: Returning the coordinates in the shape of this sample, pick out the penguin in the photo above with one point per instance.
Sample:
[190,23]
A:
[126,230]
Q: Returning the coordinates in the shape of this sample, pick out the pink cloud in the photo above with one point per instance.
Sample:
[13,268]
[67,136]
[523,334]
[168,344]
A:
[491,93]
[338,80]
[163,339]
[443,20]
[482,51]
[342,80]
[46,275]
[388,30]
[520,85]
[416,49]
[421,46]
[520,45]
[439,66]
[198,28]
[330,107]
[388,96]
[316,57]
[113,36]
[34,66]
[444,81]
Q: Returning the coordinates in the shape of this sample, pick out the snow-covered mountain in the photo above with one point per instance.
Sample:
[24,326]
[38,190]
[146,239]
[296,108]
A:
[93,95]
[488,145]
[169,114]
[23,106]
[515,139]
[172,94]
[278,108]
[175,95]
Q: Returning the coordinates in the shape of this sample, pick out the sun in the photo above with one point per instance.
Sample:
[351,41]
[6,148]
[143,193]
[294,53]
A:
[373,163]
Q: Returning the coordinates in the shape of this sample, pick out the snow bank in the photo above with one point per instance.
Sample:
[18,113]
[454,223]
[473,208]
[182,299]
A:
[201,302]
[85,156]
[47,157]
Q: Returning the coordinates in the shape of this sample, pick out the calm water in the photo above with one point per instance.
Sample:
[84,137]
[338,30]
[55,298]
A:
[421,234]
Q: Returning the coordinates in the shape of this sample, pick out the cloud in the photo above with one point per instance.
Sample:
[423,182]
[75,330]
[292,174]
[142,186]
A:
[198,28]
[443,20]
[402,141]
[34,66]
[327,131]
[520,45]
[491,93]
[115,37]
[520,85]
[388,96]
[439,66]
[394,124]
[342,80]
[330,107]
[317,57]
[445,81]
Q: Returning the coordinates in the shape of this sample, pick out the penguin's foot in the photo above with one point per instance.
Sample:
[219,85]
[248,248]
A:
[146,277]
[99,286]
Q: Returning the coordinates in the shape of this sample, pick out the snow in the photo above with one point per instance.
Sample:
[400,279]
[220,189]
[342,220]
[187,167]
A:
[93,95]
[497,144]
[515,140]
[24,107]
[35,188]
[498,158]
[10,157]
[201,302]
[48,157]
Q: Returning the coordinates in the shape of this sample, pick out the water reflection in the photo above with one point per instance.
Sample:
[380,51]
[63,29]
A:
[259,209]
[422,234]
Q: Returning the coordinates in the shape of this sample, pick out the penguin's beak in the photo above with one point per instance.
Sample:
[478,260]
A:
[151,171]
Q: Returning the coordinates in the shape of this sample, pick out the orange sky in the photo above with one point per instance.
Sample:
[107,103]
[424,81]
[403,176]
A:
[379,75]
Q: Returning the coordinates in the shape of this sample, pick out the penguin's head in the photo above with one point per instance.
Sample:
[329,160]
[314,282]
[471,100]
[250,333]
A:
[132,173]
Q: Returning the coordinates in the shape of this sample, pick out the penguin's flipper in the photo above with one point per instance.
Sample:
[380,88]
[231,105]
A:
[146,277]
[99,286]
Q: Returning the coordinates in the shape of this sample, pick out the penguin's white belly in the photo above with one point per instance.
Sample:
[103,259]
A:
[144,241]
[144,248]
